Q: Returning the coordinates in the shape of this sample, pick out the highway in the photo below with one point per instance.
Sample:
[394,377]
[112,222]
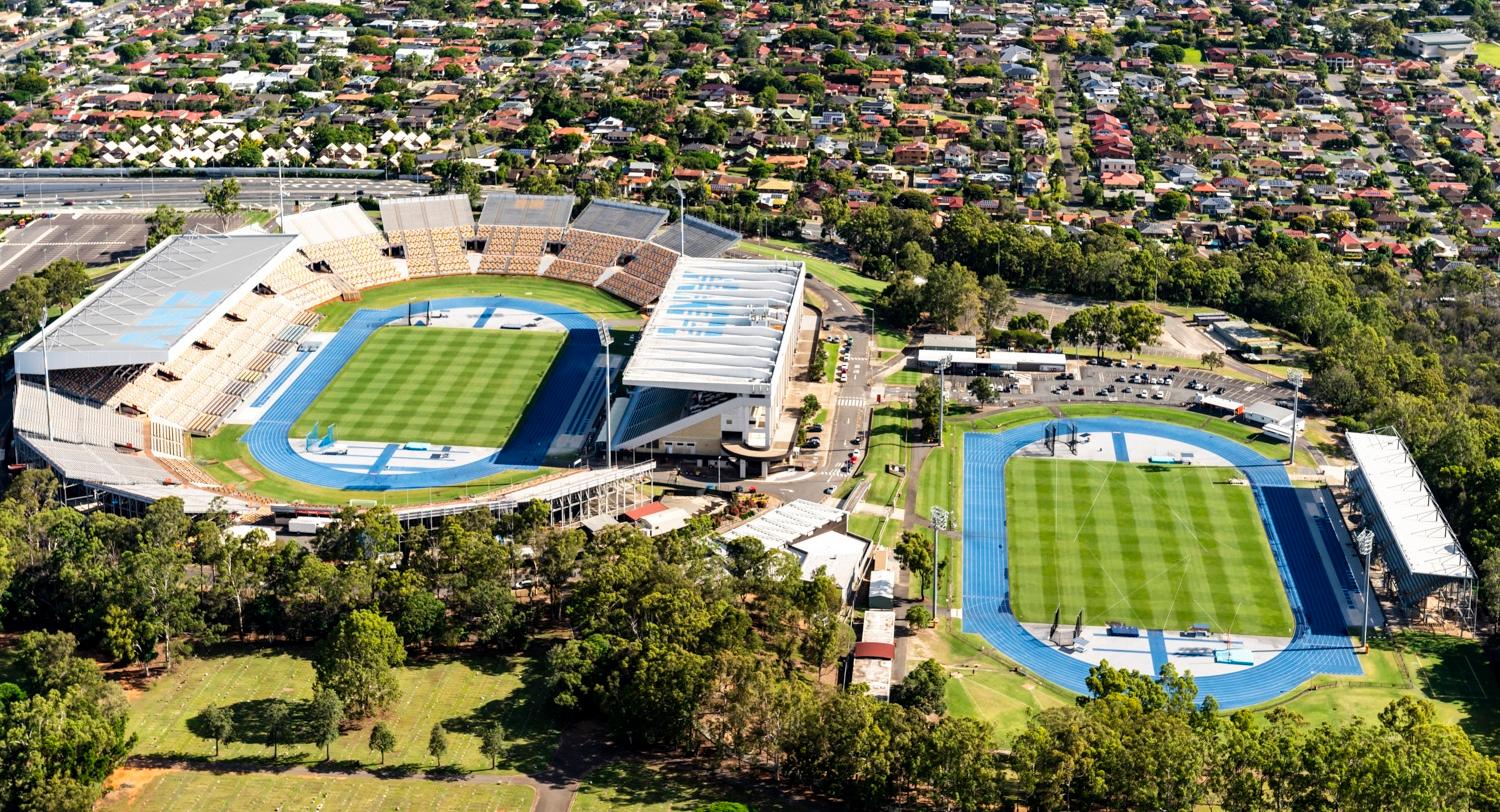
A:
[57,193]
[91,20]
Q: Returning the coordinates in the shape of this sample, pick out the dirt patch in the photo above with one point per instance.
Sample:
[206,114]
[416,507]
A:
[125,784]
[239,467]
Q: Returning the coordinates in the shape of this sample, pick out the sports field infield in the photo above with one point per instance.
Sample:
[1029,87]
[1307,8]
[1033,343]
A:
[445,386]
[1159,547]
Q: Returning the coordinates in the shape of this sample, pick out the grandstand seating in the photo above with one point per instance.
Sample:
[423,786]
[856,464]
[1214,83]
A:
[515,250]
[359,262]
[589,248]
[631,288]
[433,252]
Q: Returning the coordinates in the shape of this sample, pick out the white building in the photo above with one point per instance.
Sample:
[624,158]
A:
[1441,45]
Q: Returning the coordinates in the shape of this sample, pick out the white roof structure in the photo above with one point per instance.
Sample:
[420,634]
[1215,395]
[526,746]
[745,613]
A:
[159,304]
[996,358]
[423,213]
[621,219]
[330,224]
[693,237]
[543,211]
[1421,533]
[721,325]
[788,523]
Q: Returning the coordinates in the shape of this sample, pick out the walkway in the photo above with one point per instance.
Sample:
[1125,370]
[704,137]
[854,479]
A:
[1320,644]
[527,447]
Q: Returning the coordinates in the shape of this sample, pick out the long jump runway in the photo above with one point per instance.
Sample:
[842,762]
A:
[270,442]
[1320,644]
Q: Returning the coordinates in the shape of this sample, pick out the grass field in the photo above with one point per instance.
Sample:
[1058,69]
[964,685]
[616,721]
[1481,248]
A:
[1488,53]
[981,684]
[464,695]
[629,786]
[1155,546]
[210,792]
[584,299]
[442,386]
[887,445]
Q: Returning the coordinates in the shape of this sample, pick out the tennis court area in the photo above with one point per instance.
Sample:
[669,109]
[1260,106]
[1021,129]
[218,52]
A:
[437,385]
[1159,547]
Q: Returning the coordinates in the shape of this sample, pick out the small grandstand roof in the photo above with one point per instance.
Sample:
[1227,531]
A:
[429,212]
[1425,541]
[720,326]
[153,308]
[620,219]
[540,211]
[789,523]
[697,238]
[330,225]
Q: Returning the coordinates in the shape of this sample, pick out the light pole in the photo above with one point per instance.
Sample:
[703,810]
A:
[606,339]
[939,524]
[719,473]
[1294,377]
[46,374]
[1365,539]
[943,396]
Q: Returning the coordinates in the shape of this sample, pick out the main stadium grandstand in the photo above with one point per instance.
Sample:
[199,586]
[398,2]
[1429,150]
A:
[1424,564]
[708,376]
[205,329]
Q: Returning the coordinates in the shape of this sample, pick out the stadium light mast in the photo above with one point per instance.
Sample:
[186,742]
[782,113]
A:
[606,339]
[1294,377]
[1365,540]
[939,524]
[46,374]
[943,396]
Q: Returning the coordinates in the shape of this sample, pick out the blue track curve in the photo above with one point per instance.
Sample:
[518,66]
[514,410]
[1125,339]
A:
[1320,644]
[269,439]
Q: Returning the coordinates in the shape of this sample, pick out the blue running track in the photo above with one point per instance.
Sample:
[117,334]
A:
[287,371]
[528,444]
[1320,644]
[484,318]
[1122,451]
[1158,642]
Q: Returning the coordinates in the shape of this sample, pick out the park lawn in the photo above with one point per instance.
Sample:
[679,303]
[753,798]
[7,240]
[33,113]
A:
[464,694]
[630,786]
[869,526]
[1159,547]
[1451,672]
[587,300]
[215,455]
[887,445]
[254,792]
[439,385]
[1191,56]
[981,683]
[906,377]
[830,362]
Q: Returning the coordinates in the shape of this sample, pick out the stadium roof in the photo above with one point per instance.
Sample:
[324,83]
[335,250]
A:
[697,238]
[1425,541]
[329,225]
[789,523]
[720,326]
[542,211]
[157,305]
[620,219]
[422,213]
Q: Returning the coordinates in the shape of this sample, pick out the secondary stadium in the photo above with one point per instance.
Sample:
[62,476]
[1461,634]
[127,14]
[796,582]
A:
[431,363]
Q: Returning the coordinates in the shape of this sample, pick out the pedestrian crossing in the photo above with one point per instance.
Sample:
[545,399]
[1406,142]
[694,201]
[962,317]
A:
[851,401]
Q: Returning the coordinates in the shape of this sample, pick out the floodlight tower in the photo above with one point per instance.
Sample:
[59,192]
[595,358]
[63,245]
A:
[939,523]
[943,396]
[606,339]
[1365,540]
[1294,377]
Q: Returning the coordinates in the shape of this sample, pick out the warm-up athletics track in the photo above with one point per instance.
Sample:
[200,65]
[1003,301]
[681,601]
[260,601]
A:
[270,442]
[1320,645]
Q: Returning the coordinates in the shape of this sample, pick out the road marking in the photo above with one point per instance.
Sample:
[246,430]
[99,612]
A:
[847,401]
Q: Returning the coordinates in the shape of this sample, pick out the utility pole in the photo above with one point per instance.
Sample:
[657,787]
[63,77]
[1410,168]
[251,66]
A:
[1294,377]
[943,396]
[1365,540]
[46,375]
[939,524]
[609,454]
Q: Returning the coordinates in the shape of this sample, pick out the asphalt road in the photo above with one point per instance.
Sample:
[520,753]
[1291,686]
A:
[90,20]
[58,194]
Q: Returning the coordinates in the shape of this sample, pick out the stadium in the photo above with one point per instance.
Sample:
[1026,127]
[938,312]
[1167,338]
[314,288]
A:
[432,362]
[1144,543]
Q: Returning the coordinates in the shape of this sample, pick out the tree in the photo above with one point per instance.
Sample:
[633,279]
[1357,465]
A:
[914,551]
[997,300]
[162,223]
[218,725]
[67,281]
[355,662]
[951,296]
[918,617]
[810,406]
[927,405]
[382,740]
[1137,325]
[278,722]
[492,743]
[327,715]
[982,390]
[437,743]
[22,304]
[923,688]
[1211,360]
[223,199]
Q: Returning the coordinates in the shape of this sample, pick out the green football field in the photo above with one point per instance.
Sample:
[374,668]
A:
[444,386]
[1160,547]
